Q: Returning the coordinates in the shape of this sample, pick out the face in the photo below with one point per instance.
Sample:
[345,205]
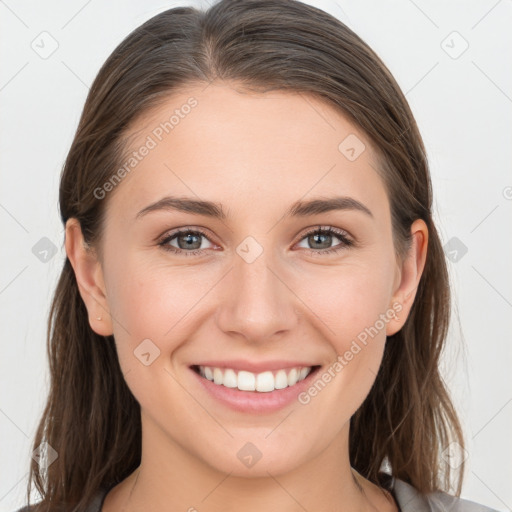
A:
[254,289]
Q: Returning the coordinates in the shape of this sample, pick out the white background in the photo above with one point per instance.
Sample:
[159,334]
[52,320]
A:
[463,107]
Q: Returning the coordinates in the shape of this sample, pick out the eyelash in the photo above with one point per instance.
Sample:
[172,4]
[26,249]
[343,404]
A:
[341,235]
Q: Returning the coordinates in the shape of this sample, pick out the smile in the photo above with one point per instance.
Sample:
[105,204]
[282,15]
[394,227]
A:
[253,387]
[263,382]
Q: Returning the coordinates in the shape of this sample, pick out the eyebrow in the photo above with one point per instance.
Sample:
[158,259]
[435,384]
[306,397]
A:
[215,210]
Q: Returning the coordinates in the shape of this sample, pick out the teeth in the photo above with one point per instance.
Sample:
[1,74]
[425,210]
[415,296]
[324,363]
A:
[247,381]
[293,377]
[303,373]
[281,380]
[265,382]
[230,380]
[218,377]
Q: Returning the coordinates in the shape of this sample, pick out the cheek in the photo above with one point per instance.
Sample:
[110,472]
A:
[154,310]
[140,305]
[149,298]
[153,301]
[348,301]
[353,308]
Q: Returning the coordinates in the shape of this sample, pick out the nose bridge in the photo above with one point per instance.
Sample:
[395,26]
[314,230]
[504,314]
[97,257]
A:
[257,303]
[254,281]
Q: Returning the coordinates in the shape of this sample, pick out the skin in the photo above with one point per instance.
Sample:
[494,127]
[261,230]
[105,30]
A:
[256,154]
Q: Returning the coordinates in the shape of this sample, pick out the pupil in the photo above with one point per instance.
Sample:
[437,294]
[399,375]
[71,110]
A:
[189,240]
[320,236]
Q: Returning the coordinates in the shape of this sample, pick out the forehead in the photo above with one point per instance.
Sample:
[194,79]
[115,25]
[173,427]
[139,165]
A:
[222,143]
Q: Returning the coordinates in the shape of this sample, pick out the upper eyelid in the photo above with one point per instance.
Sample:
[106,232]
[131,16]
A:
[172,233]
[338,232]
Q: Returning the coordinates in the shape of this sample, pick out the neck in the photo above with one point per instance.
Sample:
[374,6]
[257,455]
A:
[175,479]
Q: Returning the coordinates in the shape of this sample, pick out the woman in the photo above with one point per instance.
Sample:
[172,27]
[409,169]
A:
[255,297]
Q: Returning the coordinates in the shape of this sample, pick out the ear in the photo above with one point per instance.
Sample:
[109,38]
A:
[408,277]
[89,277]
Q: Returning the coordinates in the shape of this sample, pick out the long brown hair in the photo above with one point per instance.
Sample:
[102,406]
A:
[91,419]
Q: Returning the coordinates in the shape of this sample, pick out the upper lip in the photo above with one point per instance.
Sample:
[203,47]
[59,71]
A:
[256,367]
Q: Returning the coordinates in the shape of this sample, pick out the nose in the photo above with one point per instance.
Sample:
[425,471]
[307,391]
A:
[257,302]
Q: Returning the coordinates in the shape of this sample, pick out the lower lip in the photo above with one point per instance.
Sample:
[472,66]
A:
[255,401]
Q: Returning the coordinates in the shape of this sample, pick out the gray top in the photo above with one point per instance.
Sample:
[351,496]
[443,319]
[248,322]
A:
[410,500]
[407,497]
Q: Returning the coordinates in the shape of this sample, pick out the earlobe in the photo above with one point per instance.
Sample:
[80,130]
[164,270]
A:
[410,273]
[89,277]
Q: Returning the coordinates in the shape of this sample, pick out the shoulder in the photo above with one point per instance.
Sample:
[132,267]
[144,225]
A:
[409,500]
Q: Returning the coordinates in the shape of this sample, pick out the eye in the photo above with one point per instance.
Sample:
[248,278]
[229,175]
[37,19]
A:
[188,242]
[322,237]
